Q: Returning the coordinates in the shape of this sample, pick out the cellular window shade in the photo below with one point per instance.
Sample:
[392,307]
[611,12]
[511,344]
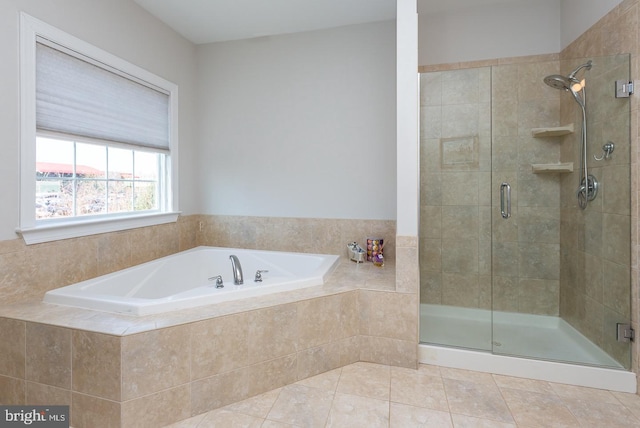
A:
[77,97]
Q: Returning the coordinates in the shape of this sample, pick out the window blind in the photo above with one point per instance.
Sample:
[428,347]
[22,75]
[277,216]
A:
[77,97]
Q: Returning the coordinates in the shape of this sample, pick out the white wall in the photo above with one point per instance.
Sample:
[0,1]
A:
[497,30]
[408,127]
[579,15]
[300,125]
[119,27]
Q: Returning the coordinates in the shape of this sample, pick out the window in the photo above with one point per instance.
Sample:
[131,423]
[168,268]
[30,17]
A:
[78,179]
[99,139]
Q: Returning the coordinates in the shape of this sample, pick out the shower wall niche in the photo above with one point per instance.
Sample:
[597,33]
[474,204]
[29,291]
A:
[549,260]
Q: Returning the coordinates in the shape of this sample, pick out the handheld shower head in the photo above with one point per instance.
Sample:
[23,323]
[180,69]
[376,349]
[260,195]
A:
[558,81]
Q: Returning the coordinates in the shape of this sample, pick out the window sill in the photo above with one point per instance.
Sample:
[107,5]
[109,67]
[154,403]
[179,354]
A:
[66,230]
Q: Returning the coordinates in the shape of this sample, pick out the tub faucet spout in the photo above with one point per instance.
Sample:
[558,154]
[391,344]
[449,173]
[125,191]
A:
[237,270]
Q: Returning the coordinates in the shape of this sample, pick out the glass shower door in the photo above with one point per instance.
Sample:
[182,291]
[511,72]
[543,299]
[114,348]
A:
[561,274]
[455,229]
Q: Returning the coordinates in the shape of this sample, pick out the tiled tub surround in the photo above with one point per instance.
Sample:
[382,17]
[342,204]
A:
[122,371]
[28,271]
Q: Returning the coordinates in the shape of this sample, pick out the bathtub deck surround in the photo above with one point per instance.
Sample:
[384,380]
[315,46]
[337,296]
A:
[113,368]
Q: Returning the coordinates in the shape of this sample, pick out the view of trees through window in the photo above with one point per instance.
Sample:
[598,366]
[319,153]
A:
[80,179]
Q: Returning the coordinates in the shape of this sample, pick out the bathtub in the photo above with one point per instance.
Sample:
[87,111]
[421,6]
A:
[182,280]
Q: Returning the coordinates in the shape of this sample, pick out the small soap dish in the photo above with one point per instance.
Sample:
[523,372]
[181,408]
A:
[356,253]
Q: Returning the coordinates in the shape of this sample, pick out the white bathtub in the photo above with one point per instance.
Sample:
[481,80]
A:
[181,280]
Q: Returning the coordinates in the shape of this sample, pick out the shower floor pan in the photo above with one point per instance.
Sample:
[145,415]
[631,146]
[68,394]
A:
[533,336]
[544,342]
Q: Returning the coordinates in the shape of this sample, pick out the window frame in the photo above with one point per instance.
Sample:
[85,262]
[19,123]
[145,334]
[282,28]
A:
[36,231]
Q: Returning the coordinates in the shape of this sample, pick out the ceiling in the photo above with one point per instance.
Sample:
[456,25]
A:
[207,21]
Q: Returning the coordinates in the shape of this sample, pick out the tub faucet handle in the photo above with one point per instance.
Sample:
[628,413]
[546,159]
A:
[218,279]
[258,277]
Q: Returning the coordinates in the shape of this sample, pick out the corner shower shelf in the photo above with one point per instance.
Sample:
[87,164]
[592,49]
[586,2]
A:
[550,168]
[555,131]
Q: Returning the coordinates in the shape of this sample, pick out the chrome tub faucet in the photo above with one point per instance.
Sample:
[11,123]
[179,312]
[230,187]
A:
[237,270]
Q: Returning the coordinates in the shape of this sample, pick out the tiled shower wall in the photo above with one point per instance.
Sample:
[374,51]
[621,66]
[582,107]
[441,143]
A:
[595,262]
[594,302]
[462,111]
[28,271]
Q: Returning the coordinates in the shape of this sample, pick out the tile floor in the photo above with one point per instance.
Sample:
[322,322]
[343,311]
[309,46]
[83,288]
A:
[371,395]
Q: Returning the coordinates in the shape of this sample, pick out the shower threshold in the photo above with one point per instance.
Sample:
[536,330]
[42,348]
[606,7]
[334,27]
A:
[523,345]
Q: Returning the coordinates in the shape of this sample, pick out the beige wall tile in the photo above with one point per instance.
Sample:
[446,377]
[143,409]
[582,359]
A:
[394,352]
[79,261]
[154,361]
[539,296]
[92,412]
[12,391]
[96,364]
[615,236]
[430,287]
[313,361]
[167,239]
[460,256]
[219,345]
[616,292]
[189,227]
[48,358]
[114,252]
[392,315]
[159,409]
[326,319]
[45,395]
[317,324]
[407,270]
[272,374]
[219,390]
[12,348]
[462,289]
[273,332]
[540,261]
[144,244]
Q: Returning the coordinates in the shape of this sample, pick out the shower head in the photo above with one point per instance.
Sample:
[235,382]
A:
[569,83]
[559,82]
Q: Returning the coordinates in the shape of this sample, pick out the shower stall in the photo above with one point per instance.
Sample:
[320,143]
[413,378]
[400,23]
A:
[525,210]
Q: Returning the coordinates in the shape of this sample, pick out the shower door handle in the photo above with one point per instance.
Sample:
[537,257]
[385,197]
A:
[505,200]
